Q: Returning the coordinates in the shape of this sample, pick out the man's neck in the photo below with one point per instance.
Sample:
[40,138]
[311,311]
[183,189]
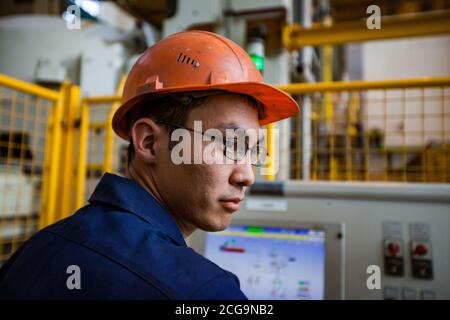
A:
[147,182]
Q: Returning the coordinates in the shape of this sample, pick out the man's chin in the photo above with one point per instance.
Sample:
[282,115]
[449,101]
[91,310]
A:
[216,226]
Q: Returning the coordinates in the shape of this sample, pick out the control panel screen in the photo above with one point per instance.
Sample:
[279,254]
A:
[272,263]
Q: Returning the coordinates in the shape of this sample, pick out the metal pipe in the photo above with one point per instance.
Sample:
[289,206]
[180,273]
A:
[299,88]
[29,88]
[399,26]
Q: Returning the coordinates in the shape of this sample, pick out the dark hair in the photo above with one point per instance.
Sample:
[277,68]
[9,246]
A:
[175,109]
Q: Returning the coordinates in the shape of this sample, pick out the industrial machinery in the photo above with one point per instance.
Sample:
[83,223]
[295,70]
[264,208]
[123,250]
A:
[325,240]
[359,204]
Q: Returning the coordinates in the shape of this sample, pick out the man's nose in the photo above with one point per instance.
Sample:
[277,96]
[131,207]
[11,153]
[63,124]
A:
[242,175]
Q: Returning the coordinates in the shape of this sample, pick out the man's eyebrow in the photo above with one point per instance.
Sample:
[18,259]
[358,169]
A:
[228,126]
[234,127]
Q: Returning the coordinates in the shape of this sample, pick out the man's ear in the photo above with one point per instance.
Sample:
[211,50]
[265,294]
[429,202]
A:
[146,139]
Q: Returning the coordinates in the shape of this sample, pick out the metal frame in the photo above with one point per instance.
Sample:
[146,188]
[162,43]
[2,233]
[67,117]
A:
[82,165]
[69,132]
[29,88]
[400,26]
[49,200]
[300,88]
[82,152]
[69,118]
[334,247]
[309,89]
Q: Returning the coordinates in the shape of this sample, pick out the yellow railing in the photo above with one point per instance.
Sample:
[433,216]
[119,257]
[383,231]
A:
[96,144]
[96,133]
[392,27]
[301,88]
[378,131]
[30,125]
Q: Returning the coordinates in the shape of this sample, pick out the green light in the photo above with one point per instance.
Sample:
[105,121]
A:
[258,60]
[255,229]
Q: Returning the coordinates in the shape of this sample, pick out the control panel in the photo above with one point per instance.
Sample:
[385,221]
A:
[397,239]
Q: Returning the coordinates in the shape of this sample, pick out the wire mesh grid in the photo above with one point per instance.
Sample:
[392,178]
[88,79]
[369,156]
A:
[24,120]
[374,135]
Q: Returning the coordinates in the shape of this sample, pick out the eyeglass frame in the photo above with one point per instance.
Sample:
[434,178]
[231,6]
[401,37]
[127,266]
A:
[247,148]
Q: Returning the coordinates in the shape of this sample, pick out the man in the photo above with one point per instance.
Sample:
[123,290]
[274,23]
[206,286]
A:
[129,241]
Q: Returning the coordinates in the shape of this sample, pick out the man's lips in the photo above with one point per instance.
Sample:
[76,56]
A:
[231,204]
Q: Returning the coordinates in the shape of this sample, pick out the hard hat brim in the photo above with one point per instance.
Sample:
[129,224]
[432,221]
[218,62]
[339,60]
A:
[277,104]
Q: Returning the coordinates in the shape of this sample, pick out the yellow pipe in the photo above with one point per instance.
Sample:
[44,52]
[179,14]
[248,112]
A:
[109,139]
[65,87]
[94,167]
[45,172]
[82,154]
[399,26]
[68,181]
[52,164]
[55,161]
[28,88]
[63,175]
[102,99]
[299,88]
[109,133]
[96,126]
[271,150]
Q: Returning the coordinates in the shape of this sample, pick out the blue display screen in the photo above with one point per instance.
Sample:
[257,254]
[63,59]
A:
[272,263]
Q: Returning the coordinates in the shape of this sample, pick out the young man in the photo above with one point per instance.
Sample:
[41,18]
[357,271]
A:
[129,241]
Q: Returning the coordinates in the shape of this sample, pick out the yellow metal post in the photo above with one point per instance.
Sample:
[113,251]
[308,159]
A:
[67,181]
[82,154]
[109,133]
[52,164]
[271,150]
[45,172]
[54,161]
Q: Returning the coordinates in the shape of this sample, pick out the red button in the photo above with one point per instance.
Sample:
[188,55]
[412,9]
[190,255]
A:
[393,248]
[421,250]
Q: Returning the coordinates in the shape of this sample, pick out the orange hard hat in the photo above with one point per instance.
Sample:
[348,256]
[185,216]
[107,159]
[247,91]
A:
[198,61]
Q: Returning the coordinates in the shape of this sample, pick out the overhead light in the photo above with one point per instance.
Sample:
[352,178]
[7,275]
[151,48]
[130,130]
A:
[90,6]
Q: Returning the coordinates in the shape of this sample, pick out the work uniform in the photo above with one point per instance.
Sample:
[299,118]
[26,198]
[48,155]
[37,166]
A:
[122,245]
